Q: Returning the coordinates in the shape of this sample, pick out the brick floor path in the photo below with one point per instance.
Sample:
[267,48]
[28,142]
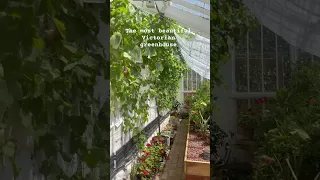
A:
[174,169]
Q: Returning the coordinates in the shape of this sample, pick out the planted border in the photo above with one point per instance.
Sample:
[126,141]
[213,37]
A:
[195,168]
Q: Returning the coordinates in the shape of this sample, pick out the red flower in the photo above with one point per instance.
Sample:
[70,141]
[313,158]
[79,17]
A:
[161,150]
[154,139]
[312,102]
[259,101]
[145,172]
[143,159]
[148,145]
[147,153]
[160,141]
[153,170]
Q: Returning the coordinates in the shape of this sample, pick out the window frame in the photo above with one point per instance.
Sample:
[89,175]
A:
[294,55]
[186,77]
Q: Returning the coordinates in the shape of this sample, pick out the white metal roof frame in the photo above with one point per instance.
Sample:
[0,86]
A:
[192,16]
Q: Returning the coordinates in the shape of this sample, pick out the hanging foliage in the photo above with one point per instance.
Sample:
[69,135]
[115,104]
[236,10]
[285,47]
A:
[49,60]
[139,73]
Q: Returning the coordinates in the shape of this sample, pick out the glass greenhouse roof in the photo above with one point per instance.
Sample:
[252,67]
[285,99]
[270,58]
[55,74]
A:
[204,6]
[195,7]
[193,14]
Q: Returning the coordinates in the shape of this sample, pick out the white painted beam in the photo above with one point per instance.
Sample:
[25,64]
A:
[205,1]
[201,25]
[197,24]
[192,6]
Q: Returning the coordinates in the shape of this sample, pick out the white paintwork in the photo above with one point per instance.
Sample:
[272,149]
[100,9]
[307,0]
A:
[125,172]
[192,6]
[197,24]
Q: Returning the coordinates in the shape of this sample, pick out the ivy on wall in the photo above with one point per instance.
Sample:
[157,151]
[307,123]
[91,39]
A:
[141,74]
[49,59]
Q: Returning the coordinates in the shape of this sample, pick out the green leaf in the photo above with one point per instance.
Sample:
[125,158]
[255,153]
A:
[82,73]
[5,98]
[127,55]
[61,27]
[9,149]
[40,85]
[70,48]
[151,52]
[26,120]
[87,61]
[301,133]
[70,66]
[136,54]
[115,40]
[63,59]
[38,43]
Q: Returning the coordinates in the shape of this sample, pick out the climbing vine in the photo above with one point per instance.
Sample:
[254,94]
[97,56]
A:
[140,74]
[49,60]
[229,20]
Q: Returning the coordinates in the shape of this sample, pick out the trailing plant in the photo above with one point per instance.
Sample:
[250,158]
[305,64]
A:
[231,20]
[139,75]
[49,60]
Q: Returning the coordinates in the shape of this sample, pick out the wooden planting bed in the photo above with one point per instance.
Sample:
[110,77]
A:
[195,170]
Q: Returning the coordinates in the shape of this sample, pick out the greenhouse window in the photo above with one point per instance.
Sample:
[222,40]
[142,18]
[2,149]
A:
[262,64]
[193,7]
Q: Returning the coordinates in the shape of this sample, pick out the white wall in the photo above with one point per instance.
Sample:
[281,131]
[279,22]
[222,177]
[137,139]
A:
[118,139]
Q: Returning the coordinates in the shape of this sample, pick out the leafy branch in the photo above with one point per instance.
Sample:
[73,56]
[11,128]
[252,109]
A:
[139,75]
[49,60]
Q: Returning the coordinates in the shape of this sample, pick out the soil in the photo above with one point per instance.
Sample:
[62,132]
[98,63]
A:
[196,145]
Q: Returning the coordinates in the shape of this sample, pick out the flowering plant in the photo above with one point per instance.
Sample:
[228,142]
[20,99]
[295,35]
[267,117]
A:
[149,162]
[289,135]
[200,107]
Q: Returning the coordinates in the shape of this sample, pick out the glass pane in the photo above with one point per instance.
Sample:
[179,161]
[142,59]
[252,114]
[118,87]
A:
[194,80]
[198,81]
[241,66]
[185,84]
[269,60]
[284,62]
[190,80]
[255,61]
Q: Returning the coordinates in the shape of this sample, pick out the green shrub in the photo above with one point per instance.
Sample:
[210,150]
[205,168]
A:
[289,134]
